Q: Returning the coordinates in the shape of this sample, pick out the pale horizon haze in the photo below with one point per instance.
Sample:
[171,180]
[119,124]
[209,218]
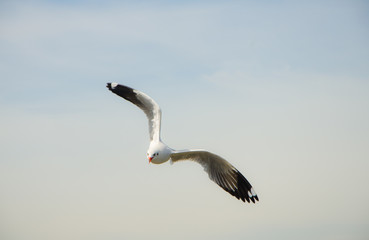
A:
[278,88]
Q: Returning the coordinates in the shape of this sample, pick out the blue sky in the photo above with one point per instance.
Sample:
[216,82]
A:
[279,88]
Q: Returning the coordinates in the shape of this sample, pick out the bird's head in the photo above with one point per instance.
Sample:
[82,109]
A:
[151,156]
[158,153]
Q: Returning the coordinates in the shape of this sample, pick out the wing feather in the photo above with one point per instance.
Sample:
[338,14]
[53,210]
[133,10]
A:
[221,172]
[144,102]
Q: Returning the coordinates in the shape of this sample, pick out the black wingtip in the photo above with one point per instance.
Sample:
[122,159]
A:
[244,189]
[108,85]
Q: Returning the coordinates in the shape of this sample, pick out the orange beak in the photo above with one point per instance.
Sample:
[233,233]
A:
[150,158]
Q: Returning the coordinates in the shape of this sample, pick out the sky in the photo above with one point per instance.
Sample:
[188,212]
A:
[278,88]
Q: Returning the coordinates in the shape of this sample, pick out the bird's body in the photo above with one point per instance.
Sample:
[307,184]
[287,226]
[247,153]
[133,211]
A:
[219,170]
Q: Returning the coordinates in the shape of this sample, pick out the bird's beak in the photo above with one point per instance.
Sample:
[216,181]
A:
[150,158]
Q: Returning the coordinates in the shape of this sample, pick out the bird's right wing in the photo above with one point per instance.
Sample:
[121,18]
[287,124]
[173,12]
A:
[143,101]
[221,172]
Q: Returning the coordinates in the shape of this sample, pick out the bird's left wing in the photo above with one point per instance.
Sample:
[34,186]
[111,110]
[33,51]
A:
[221,172]
[143,101]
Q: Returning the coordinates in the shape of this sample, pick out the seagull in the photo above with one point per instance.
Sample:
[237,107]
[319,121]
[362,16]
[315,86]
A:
[219,170]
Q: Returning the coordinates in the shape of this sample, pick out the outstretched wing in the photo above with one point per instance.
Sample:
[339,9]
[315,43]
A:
[221,172]
[143,101]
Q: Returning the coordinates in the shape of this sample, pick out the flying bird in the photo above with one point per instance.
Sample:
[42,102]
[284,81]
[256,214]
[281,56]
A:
[219,170]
